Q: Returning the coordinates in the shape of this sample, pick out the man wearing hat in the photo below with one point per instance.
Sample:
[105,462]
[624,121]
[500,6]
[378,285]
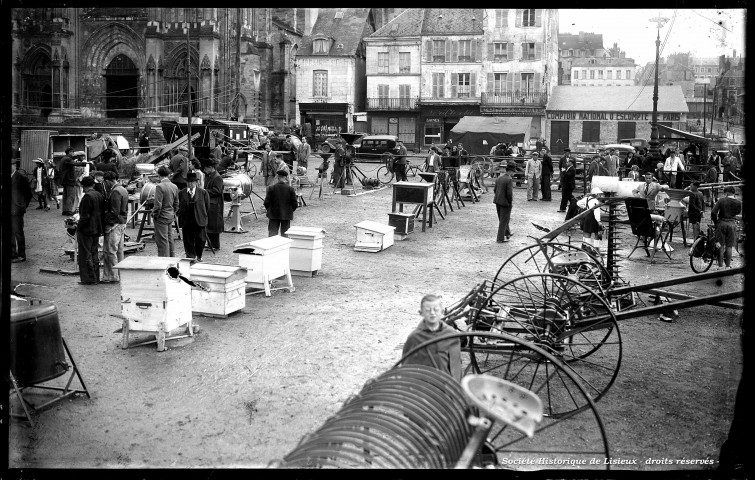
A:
[68,181]
[563,164]
[545,180]
[193,204]
[39,175]
[20,198]
[724,214]
[116,214]
[180,167]
[213,183]
[268,165]
[164,213]
[88,232]
[532,172]
[567,183]
[302,155]
[280,202]
[503,197]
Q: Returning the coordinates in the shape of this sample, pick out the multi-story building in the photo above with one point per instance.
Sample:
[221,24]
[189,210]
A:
[330,68]
[577,46]
[521,66]
[101,66]
[393,78]
[602,72]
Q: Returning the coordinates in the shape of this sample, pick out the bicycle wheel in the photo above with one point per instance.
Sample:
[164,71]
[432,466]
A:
[568,440]
[384,176]
[700,260]
[411,170]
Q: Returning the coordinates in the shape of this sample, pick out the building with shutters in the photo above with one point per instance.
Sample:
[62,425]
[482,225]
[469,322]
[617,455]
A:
[95,69]
[330,70]
[603,72]
[587,117]
[579,46]
[521,65]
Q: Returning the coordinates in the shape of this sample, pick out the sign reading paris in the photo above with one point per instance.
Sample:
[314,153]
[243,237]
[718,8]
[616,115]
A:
[668,117]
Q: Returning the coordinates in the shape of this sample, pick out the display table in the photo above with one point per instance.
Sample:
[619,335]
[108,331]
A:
[153,297]
[223,289]
[305,254]
[265,260]
[414,193]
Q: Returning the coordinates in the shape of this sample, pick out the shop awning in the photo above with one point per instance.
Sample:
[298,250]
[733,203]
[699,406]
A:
[687,135]
[479,134]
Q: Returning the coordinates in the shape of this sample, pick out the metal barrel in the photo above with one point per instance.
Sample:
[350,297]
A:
[412,416]
[36,345]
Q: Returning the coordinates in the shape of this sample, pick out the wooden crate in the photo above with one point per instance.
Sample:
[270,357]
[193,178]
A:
[225,289]
[305,254]
[404,222]
[373,236]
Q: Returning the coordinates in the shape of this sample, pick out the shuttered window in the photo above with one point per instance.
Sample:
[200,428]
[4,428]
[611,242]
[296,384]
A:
[438,87]
[462,85]
[500,52]
[499,83]
[406,129]
[528,51]
[465,50]
[576,74]
[618,74]
[591,132]
[600,74]
[379,126]
[404,62]
[382,62]
[629,75]
[610,75]
[528,17]
[404,95]
[320,83]
[501,18]
[439,50]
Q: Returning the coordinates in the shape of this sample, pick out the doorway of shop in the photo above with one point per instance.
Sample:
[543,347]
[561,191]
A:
[559,136]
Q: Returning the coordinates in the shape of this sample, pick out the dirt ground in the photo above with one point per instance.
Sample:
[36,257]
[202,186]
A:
[244,390]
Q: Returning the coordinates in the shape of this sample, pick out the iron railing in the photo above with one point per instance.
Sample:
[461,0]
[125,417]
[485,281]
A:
[515,98]
[392,103]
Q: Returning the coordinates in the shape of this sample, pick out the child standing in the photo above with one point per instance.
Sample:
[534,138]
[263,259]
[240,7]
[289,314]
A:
[634,174]
[445,355]
[695,207]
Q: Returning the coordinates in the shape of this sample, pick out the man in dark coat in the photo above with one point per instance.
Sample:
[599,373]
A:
[68,181]
[546,175]
[88,231]
[400,162]
[144,141]
[213,183]
[503,197]
[179,165]
[115,216]
[193,203]
[567,184]
[20,198]
[563,164]
[280,202]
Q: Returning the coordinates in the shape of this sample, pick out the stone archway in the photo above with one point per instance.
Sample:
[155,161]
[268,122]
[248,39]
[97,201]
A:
[121,88]
[36,73]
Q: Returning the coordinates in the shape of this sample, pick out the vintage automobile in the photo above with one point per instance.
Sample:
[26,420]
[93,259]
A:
[372,147]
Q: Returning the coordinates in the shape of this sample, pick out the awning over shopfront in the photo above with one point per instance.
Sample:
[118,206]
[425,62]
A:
[663,129]
[479,134]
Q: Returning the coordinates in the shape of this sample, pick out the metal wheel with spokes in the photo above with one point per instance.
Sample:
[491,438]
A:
[569,439]
[700,259]
[383,175]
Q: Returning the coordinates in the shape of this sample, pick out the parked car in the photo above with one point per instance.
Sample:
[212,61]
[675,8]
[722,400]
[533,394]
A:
[372,147]
[637,143]
[622,148]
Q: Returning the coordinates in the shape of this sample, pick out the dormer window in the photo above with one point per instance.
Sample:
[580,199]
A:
[321,45]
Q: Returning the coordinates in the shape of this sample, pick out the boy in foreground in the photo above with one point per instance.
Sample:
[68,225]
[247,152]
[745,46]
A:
[445,355]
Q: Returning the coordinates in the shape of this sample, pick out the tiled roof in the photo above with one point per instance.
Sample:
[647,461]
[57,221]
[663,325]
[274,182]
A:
[348,30]
[616,99]
[406,24]
[589,41]
[452,21]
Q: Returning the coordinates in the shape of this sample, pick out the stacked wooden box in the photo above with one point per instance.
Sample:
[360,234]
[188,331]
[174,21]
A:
[225,289]
[305,254]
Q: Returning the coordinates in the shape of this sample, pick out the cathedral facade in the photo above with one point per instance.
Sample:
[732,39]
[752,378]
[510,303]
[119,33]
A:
[114,66]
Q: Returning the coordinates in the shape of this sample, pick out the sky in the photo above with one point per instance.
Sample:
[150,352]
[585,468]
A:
[702,32]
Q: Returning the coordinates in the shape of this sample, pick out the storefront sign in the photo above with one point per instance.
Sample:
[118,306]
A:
[450,112]
[509,112]
[432,120]
[632,116]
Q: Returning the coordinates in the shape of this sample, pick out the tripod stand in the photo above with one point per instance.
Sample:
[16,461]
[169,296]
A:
[452,178]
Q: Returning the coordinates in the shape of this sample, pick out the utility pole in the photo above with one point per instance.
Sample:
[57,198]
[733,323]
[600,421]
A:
[705,106]
[188,79]
[654,124]
[238,63]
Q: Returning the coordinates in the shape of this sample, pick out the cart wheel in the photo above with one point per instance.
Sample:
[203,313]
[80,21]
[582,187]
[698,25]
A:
[570,444]
[384,176]
[700,260]
[562,316]
[324,148]
[535,259]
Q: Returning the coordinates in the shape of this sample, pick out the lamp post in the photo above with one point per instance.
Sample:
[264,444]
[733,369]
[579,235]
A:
[654,124]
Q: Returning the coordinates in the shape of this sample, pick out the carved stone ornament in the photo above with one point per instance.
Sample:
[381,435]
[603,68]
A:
[151,63]
[160,65]
[205,63]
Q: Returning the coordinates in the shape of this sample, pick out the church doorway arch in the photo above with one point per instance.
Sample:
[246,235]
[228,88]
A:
[122,88]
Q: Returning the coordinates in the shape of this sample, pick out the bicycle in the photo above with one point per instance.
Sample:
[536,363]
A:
[704,251]
[385,173]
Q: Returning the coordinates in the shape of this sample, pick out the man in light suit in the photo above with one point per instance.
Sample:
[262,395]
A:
[504,198]
[193,203]
[648,190]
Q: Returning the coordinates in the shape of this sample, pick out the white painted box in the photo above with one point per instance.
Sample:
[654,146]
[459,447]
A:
[373,236]
[151,297]
[224,289]
[264,260]
[305,254]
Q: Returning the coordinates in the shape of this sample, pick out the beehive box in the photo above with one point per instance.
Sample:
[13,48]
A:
[264,260]
[404,222]
[149,296]
[373,236]
[225,289]
[305,254]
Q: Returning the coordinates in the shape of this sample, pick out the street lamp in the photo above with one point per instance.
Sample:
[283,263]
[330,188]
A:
[654,124]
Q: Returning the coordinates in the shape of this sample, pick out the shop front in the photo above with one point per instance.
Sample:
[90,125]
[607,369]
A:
[327,119]
[404,125]
[436,121]
[536,114]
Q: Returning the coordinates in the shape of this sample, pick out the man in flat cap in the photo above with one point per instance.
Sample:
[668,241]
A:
[280,202]
[503,197]
[213,183]
[88,231]
[164,213]
[180,167]
[193,204]
[68,181]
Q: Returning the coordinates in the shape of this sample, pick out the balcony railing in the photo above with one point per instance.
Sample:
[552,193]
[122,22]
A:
[390,103]
[515,98]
